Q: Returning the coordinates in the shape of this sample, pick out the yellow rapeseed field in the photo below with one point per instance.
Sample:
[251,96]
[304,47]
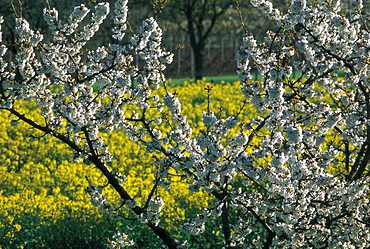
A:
[41,186]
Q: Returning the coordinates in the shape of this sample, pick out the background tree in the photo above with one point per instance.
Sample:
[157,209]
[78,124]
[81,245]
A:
[197,18]
[294,176]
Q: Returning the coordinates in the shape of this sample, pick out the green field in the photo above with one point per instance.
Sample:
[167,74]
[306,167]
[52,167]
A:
[232,78]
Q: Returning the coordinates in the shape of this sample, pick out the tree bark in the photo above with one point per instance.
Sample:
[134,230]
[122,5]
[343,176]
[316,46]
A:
[198,60]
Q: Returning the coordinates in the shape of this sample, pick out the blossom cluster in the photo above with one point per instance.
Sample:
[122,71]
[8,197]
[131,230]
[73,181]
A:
[120,241]
[306,136]
[120,19]
[97,198]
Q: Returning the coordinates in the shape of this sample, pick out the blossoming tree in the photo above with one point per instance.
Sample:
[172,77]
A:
[296,176]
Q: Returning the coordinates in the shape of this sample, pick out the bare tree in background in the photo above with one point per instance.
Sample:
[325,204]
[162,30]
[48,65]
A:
[197,18]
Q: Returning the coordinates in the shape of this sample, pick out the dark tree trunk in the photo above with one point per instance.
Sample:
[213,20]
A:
[198,61]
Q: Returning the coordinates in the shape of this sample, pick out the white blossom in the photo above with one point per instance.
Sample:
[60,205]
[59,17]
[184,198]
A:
[120,19]
[172,103]
[120,240]
[294,134]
